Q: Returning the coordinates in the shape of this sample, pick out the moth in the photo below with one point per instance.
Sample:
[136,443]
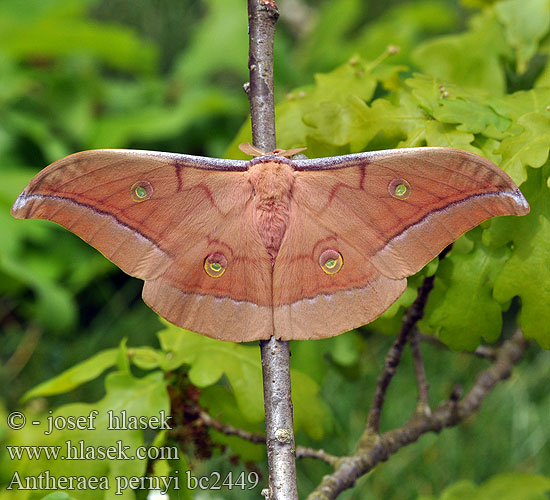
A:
[243,250]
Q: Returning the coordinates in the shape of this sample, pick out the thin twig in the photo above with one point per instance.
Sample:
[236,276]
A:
[383,382]
[23,353]
[393,357]
[304,452]
[257,438]
[229,430]
[482,351]
[412,316]
[485,352]
[262,16]
[423,404]
[378,448]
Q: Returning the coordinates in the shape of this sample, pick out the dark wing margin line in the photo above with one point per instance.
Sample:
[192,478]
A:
[23,199]
[517,196]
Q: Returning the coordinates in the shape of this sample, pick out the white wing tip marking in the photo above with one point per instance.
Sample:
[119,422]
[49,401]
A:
[518,197]
[22,200]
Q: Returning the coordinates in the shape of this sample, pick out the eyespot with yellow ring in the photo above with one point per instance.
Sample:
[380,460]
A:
[400,189]
[141,191]
[331,261]
[215,265]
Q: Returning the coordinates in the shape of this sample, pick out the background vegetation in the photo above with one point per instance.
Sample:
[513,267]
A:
[167,75]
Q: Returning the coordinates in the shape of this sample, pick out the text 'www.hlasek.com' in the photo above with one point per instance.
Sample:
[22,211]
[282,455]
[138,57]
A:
[66,441]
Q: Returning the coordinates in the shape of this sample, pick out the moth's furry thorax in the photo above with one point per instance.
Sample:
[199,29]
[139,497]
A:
[272,182]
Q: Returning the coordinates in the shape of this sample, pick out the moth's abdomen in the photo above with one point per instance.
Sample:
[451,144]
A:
[272,183]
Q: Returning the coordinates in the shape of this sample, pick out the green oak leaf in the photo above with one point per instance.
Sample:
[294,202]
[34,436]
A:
[514,106]
[385,123]
[528,148]
[443,134]
[76,375]
[145,357]
[389,323]
[472,116]
[457,58]
[428,91]
[461,309]
[507,486]
[335,124]
[488,147]
[355,77]
[504,230]
[526,24]
[324,112]
[527,274]
[450,103]
[210,359]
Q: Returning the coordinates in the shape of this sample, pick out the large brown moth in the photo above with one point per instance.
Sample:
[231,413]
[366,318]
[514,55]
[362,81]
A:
[299,249]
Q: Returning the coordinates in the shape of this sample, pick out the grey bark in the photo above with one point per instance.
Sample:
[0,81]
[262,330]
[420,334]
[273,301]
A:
[262,16]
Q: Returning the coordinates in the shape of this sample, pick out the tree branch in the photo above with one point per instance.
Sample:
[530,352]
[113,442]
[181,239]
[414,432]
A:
[482,351]
[262,16]
[257,438]
[230,430]
[423,405]
[374,449]
[279,424]
[304,452]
